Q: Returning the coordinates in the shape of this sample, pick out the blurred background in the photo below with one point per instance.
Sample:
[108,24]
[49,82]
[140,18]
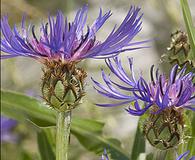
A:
[161,18]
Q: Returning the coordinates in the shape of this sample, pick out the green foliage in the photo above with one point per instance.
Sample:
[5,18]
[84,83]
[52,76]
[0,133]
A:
[22,107]
[191,142]
[88,125]
[96,143]
[24,155]
[44,144]
[88,132]
[139,144]
[190,28]
[188,142]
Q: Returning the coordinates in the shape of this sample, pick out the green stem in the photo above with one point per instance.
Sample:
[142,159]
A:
[62,135]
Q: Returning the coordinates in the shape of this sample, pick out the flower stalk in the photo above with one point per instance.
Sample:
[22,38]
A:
[63,135]
[62,89]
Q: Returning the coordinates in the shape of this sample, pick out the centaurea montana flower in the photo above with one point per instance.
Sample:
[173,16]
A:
[66,41]
[184,155]
[165,97]
[62,44]
[176,91]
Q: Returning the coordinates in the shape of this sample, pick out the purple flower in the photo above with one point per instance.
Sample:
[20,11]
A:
[184,155]
[176,91]
[104,155]
[6,127]
[66,41]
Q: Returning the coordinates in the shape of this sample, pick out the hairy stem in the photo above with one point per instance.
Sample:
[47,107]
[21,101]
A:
[62,135]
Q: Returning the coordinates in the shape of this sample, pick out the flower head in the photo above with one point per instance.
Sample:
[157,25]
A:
[62,44]
[176,91]
[67,41]
[165,97]
[6,126]
[184,155]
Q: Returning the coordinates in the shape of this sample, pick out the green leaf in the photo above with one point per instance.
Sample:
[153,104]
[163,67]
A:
[44,145]
[97,143]
[189,27]
[193,126]
[88,125]
[139,144]
[188,134]
[24,155]
[22,107]
[191,143]
[88,132]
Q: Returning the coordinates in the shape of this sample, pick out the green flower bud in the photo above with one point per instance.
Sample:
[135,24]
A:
[178,51]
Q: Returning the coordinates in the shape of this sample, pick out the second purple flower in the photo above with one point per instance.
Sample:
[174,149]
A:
[163,99]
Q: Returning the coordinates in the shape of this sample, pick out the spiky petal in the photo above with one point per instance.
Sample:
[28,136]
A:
[177,90]
[66,41]
[184,155]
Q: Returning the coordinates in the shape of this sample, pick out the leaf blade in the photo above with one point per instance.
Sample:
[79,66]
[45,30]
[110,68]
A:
[97,143]
[189,27]
[139,144]
[44,146]
[90,130]
[28,108]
